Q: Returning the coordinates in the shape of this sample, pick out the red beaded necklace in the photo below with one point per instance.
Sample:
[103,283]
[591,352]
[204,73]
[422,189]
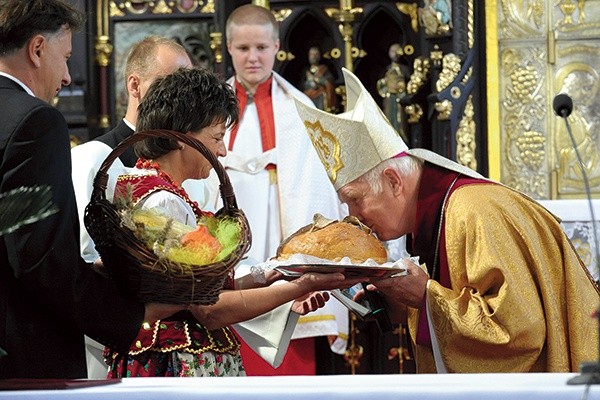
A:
[142,163]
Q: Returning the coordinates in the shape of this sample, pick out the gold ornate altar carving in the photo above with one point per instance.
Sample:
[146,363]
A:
[160,7]
[537,49]
[412,11]
[581,81]
[421,67]
[450,69]
[544,48]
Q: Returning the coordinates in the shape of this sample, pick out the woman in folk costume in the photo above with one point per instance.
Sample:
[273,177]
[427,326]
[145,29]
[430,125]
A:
[276,174]
[501,287]
[197,341]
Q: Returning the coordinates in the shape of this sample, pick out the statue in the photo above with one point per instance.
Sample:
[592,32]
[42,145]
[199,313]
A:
[318,82]
[392,87]
[436,17]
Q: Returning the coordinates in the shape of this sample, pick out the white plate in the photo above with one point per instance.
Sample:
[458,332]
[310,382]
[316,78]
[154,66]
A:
[350,271]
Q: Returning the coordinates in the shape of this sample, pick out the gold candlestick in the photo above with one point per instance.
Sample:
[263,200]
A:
[216,45]
[345,17]
[262,3]
[346,4]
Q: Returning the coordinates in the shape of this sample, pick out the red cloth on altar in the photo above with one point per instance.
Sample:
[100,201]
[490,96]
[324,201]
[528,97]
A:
[299,360]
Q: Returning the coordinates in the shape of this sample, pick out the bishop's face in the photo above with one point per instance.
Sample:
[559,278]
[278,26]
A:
[382,212]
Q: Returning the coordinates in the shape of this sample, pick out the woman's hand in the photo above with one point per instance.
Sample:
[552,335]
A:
[240,305]
[313,281]
[310,302]
[273,275]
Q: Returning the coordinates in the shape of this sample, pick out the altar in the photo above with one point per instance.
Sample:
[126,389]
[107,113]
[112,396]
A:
[542,386]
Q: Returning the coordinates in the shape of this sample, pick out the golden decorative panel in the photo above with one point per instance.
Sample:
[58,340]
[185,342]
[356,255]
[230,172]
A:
[523,115]
[575,73]
[521,19]
[537,49]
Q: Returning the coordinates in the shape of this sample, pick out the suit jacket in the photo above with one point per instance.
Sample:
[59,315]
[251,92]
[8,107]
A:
[49,297]
[115,136]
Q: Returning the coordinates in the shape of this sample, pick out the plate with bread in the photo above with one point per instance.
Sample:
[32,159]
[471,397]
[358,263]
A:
[328,246]
[349,270]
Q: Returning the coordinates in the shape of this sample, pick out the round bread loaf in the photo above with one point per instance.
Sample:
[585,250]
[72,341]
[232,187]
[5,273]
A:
[335,241]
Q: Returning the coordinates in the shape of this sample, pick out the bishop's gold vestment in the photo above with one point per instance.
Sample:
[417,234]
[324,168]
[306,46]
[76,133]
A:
[520,298]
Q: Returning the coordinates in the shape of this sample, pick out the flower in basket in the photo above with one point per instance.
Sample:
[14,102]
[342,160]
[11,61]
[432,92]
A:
[212,240]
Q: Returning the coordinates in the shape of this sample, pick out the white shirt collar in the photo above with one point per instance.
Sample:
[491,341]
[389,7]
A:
[129,124]
[12,78]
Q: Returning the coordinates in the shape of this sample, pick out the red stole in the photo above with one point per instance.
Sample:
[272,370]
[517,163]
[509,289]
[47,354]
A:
[264,107]
[435,182]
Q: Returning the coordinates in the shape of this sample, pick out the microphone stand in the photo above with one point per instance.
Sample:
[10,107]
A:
[590,370]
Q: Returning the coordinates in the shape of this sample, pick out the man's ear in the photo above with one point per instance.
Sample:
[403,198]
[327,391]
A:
[35,49]
[393,179]
[133,86]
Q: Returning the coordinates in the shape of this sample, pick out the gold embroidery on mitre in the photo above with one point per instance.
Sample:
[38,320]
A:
[327,147]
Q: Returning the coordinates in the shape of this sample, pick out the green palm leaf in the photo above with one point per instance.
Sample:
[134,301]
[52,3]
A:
[24,205]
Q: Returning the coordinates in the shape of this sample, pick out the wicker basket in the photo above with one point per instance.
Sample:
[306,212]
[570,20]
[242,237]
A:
[134,267]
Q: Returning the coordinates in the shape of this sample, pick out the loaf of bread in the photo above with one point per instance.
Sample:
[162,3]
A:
[334,240]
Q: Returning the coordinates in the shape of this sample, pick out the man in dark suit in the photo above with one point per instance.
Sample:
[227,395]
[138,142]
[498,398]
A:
[49,297]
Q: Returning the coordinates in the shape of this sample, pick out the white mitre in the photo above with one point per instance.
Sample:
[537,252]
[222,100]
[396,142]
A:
[352,143]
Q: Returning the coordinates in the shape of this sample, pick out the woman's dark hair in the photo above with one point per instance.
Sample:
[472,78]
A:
[187,100]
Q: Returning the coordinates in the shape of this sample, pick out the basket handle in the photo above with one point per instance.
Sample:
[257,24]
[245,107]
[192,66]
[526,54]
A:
[225,188]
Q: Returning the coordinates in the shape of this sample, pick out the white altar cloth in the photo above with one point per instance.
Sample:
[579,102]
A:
[542,386]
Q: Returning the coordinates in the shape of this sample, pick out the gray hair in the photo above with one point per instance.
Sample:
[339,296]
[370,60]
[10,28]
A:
[404,166]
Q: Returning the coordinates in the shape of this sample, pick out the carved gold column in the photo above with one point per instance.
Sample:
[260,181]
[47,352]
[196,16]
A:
[216,45]
[402,351]
[492,88]
[354,352]
[104,50]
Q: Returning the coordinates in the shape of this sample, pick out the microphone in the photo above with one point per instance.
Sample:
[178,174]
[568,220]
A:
[563,106]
